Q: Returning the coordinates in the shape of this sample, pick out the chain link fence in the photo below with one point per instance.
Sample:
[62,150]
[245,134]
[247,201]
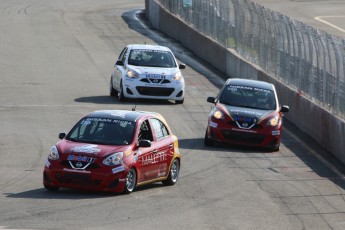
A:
[310,61]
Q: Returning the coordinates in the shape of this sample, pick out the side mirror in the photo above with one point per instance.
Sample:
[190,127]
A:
[119,62]
[62,136]
[182,66]
[145,143]
[211,100]
[284,108]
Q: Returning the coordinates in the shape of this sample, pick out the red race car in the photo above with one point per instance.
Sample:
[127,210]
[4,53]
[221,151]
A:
[246,112]
[114,151]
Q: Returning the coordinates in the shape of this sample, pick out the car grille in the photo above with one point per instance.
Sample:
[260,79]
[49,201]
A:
[155,81]
[245,137]
[67,164]
[80,179]
[154,91]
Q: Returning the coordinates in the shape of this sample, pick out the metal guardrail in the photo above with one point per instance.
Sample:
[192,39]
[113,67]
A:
[310,61]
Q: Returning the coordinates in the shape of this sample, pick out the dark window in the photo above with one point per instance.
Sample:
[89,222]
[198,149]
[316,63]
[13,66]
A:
[145,132]
[159,128]
[103,131]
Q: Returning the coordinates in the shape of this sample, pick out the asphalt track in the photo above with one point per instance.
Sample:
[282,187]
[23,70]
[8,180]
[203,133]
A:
[56,58]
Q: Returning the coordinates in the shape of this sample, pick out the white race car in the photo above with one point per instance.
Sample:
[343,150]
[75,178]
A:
[147,71]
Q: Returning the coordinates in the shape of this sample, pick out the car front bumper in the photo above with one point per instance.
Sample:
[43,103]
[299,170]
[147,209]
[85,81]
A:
[247,137]
[97,180]
[170,91]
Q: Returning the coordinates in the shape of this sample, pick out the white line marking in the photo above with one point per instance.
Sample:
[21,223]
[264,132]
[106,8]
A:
[330,24]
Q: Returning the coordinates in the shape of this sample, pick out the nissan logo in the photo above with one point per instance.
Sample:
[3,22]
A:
[79,164]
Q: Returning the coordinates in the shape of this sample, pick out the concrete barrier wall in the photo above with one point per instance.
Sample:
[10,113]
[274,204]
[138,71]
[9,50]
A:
[325,128]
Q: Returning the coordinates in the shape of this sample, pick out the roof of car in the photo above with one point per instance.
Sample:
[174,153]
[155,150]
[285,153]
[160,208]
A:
[250,82]
[121,114]
[150,47]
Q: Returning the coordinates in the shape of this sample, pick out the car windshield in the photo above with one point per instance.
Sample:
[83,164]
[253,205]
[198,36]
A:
[102,131]
[249,97]
[151,58]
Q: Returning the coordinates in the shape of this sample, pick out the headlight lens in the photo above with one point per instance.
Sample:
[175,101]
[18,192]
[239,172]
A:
[132,74]
[273,121]
[54,153]
[218,114]
[114,159]
[178,76]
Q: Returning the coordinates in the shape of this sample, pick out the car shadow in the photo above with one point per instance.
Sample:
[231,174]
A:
[104,99]
[62,193]
[72,194]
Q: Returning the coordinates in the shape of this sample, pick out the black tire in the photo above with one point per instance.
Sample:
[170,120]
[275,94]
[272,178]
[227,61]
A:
[208,141]
[173,173]
[131,181]
[120,94]
[112,91]
[274,148]
[179,101]
[50,188]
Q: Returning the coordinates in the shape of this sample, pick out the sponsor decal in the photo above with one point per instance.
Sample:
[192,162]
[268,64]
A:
[118,169]
[76,170]
[213,124]
[85,149]
[154,158]
[162,170]
[276,133]
[81,159]
[47,163]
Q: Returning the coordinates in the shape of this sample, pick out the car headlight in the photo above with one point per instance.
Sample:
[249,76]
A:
[178,76]
[273,121]
[54,153]
[218,114]
[114,159]
[132,74]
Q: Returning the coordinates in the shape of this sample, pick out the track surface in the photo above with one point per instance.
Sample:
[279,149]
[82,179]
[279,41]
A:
[56,58]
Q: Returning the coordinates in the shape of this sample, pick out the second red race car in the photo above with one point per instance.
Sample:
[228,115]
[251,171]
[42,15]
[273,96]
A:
[246,112]
[114,151]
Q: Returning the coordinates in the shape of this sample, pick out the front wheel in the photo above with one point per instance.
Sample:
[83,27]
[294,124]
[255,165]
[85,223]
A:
[207,140]
[120,94]
[50,188]
[131,180]
[173,174]
[112,91]
[179,101]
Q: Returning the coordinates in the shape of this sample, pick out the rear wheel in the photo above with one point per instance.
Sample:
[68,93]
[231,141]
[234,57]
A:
[207,140]
[131,180]
[173,174]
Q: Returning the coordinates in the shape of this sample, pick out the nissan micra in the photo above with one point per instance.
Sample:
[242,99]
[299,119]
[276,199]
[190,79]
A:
[114,151]
[246,112]
[147,71]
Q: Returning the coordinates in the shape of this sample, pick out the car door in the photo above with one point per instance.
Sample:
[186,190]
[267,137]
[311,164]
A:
[145,155]
[119,70]
[163,150]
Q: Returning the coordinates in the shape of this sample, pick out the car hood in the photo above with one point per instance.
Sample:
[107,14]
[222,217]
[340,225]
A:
[66,147]
[153,70]
[241,113]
